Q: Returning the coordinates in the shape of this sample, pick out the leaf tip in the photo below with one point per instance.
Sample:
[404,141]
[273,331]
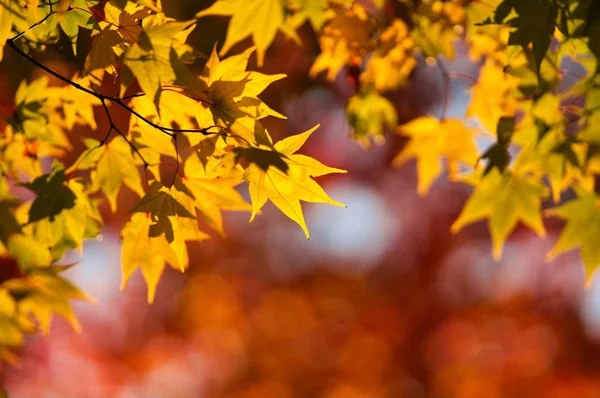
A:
[497,251]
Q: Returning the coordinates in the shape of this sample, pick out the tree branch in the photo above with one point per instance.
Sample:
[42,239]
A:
[119,101]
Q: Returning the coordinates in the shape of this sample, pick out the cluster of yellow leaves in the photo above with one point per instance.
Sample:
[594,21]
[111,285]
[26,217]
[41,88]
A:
[205,128]
[430,140]
[551,148]
[392,60]
[223,101]
[438,24]
[346,39]
[28,303]
[263,19]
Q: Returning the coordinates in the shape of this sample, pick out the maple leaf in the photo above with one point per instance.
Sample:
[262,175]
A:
[78,16]
[9,10]
[150,254]
[154,58]
[533,23]
[491,96]
[369,114]
[162,206]
[213,194]
[497,155]
[185,228]
[231,92]
[126,20]
[262,158]
[260,19]
[8,222]
[34,115]
[558,157]
[582,216]
[28,252]
[10,334]
[170,221]
[69,226]
[75,105]
[46,293]
[53,196]
[504,200]
[430,139]
[112,165]
[286,190]
[102,57]
[314,11]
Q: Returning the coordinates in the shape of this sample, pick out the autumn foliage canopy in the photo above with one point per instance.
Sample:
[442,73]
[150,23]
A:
[196,130]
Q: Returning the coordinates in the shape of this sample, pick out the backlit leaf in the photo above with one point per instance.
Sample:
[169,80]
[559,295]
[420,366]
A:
[504,200]
[286,190]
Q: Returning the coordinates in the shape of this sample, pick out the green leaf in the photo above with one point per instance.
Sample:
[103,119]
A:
[592,29]
[53,196]
[369,114]
[76,18]
[533,23]
[497,155]
[8,222]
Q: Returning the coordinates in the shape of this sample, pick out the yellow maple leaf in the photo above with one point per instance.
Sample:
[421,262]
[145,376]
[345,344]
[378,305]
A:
[547,157]
[314,11]
[102,57]
[582,216]
[260,19]
[490,98]
[286,190]
[230,93]
[112,165]
[126,21]
[504,200]
[148,253]
[162,222]
[430,140]
[45,293]
[213,193]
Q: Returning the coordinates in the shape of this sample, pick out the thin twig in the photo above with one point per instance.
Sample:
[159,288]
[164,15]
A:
[447,87]
[114,127]
[176,158]
[41,21]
